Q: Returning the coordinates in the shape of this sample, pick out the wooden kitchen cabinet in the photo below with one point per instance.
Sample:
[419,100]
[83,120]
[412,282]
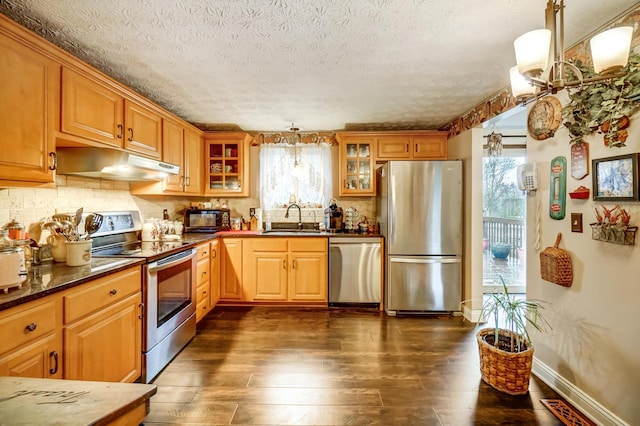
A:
[267,273]
[215,272]
[203,281]
[103,328]
[356,164]
[31,339]
[30,93]
[226,164]
[412,146]
[231,280]
[97,111]
[286,269]
[308,272]
[181,146]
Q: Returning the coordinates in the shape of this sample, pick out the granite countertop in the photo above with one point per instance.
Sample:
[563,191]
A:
[51,277]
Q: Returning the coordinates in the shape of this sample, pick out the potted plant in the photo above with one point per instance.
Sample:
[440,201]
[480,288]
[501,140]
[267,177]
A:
[506,350]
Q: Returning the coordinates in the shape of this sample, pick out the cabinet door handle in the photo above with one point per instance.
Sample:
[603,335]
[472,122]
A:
[55,161]
[188,181]
[284,264]
[407,147]
[54,370]
[130,135]
[120,131]
[141,306]
[113,292]
[31,327]
[214,254]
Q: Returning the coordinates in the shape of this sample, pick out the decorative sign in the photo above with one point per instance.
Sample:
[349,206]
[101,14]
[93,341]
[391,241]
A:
[558,188]
[579,160]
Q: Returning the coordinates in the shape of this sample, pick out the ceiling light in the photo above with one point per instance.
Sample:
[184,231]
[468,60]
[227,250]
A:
[609,51]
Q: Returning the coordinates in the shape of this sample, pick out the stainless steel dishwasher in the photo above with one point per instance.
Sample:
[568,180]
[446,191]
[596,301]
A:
[355,271]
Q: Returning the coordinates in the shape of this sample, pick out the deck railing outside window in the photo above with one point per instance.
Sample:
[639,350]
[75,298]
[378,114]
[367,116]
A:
[507,231]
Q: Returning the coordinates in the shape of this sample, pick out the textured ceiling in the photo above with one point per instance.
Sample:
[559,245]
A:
[323,64]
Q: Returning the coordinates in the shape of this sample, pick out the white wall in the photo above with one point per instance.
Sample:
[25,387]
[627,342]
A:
[468,147]
[593,352]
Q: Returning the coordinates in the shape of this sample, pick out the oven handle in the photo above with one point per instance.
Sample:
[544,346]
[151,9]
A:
[169,261]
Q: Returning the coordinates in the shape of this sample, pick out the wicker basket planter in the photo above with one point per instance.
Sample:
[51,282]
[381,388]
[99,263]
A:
[505,371]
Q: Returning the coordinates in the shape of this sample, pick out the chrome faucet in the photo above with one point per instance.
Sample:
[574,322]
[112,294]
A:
[286,215]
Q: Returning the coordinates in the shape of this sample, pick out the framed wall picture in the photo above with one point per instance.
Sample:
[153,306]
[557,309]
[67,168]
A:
[615,178]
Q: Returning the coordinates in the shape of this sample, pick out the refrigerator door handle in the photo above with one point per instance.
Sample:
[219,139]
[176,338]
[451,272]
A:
[408,260]
[392,189]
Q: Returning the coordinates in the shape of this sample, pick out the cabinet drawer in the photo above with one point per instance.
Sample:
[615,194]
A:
[26,323]
[202,293]
[202,271]
[203,252]
[308,244]
[101,293]
[201,309]
[270,244]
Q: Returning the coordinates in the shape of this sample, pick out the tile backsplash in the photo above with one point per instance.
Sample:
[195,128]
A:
[29,206]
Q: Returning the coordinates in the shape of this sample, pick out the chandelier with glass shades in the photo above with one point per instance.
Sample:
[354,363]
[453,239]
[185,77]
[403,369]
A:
[609,54]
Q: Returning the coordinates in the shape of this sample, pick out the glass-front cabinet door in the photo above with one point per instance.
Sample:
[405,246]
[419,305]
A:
[357,165]
[227,156]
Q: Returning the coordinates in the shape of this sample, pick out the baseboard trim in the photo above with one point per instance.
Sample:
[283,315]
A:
[583,402]
[471,315]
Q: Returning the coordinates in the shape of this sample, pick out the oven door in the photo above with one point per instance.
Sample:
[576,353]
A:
[169,294]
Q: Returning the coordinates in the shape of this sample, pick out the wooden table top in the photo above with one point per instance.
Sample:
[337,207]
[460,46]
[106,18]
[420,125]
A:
[68,402]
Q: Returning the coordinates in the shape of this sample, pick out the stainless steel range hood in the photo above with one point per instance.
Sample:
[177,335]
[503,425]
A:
[111,164]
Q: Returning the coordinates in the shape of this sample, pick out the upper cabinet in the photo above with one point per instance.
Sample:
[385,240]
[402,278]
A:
[30,93]
[357,164]
[412,145]
[93,110]
[181,145]
[226,164]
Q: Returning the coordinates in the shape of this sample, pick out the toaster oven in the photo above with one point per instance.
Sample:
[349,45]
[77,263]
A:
[207,220]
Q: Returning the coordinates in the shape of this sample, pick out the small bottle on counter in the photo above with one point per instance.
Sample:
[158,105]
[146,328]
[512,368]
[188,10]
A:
[165,214]
[268,224]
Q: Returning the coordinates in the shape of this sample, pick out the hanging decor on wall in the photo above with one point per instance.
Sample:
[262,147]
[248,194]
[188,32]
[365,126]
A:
[544,118]
[558,188]
[579,160]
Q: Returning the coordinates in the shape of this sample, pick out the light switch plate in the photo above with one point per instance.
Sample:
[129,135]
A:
[576,222]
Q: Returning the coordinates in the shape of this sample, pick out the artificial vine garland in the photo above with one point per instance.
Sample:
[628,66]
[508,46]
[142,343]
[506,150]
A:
[604,107]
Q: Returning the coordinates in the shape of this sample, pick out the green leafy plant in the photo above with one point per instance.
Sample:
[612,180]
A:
[512,313]
[604,107]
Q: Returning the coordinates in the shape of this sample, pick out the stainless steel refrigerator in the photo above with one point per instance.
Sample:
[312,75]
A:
[419,205]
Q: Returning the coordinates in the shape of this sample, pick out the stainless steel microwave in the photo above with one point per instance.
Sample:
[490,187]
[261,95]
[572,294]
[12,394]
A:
[207,220]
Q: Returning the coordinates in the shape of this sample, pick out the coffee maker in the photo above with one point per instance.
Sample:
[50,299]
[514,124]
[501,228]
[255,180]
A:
[335,216]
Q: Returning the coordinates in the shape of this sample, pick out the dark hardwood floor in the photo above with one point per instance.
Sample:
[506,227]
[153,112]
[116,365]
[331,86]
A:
[286,366]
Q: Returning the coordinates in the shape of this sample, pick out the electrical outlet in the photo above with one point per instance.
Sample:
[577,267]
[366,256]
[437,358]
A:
[252,211]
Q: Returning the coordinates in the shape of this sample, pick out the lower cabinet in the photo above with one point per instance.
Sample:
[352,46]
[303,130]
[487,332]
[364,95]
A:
[90,332]
[203,281]
[215,272]
[101,346]
[103,329]
[31,339]
[286,269]
[231,270]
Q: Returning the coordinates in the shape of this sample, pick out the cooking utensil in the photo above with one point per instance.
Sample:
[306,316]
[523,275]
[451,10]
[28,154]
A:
[77,219]
[92,223]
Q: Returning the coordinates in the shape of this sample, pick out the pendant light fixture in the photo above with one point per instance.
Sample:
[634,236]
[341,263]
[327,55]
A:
[609,52]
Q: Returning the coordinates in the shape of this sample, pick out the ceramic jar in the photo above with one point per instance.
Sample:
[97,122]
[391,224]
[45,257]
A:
[150,230]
